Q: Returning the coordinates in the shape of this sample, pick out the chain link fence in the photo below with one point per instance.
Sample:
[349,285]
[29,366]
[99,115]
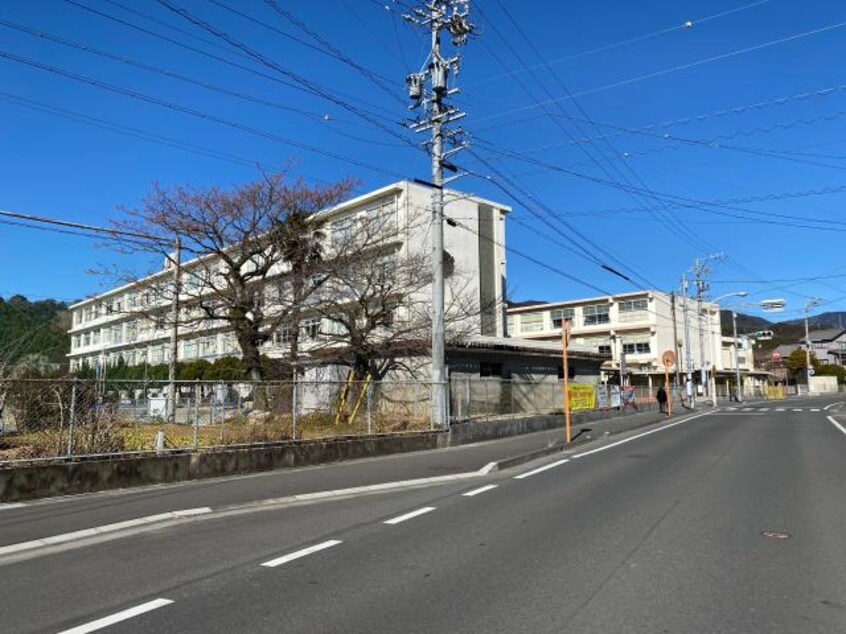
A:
[49,419]
[473,398]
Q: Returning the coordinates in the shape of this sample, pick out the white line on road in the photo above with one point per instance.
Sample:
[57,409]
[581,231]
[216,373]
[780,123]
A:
[470,494]
[99,624]
[731,409]
[408,516]
[836,424]
[797,409]
[646,433]
[301,553]
[779,409]
[827,407]
[815,409]
[747,409]
[551,465]
[11,505]
[763,409]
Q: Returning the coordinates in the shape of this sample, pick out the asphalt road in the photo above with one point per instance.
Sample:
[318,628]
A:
[664,530]
[43,518]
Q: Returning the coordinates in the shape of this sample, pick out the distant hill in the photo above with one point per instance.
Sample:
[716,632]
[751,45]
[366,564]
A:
[783,332]
[834,319]
[33,329]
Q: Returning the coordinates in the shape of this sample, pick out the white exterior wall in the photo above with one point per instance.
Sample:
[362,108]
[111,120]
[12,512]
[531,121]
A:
[108,325]
[654,324]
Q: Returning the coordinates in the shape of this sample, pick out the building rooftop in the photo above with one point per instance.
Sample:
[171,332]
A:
[827,334]
[528,345]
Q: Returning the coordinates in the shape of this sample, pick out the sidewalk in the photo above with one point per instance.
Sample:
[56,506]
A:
[39,519]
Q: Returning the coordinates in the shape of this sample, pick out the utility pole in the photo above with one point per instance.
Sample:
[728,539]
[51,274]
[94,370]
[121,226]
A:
[438,16]
[809,304]
[688,353]
[675,337]
[701,270]
[174,331]
[736,357]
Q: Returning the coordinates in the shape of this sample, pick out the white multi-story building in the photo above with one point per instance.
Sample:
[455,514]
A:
[130,322]
[639,327]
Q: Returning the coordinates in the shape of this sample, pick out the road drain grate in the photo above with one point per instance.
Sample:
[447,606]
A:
[774,535]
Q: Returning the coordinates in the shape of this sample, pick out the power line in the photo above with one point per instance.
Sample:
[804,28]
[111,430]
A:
[625,42]
[673,69]
[193,112]
[218,58]
[296,77]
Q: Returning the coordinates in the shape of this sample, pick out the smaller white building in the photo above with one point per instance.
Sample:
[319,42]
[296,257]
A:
[635,329]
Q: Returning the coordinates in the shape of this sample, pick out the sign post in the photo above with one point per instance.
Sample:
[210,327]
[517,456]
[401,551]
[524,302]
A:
[668,358]
[565,341]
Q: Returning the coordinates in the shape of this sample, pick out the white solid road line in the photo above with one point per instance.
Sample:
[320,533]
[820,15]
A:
[408,516]
[470,494]
[836,424]
[827,407]
[99,624]
[646,433]
[551,465]
[11,505]
[301,553]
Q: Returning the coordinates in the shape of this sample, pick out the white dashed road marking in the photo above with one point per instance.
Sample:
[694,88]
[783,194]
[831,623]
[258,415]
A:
[470,494]
[408,516]
[301,553]
[551,465]
[99,624]
[815,409]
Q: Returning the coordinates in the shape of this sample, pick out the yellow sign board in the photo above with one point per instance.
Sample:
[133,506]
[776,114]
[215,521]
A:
[775,392]
[582,396]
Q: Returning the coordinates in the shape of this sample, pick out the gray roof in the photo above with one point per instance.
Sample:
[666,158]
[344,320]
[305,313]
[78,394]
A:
[827,334]
[528,345]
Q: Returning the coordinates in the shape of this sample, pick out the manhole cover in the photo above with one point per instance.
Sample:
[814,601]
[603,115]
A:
[774,535]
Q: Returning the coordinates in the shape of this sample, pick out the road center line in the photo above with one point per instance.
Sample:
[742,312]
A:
[551,465]
[470,494]
[836,424]
[408,516]
[301,553]
[99,624]
[631,438]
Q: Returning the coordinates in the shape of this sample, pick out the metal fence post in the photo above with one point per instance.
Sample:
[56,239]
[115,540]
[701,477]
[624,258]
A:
[72,422]
[196,414]
[369,408]
[294,408]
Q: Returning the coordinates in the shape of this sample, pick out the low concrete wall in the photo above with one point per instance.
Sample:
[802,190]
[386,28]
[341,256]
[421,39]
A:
[477,431]
[85,476]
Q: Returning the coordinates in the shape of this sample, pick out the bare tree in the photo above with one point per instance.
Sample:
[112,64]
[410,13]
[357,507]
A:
[375,299]
[237,241]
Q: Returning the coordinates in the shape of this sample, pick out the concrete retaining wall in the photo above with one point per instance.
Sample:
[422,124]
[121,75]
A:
[477,431]
[85,476]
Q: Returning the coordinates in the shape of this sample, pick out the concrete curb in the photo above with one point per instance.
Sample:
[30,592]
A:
[133,526]
[560,447]
[97,531]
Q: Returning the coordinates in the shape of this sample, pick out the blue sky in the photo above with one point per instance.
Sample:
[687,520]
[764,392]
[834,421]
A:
[724,136]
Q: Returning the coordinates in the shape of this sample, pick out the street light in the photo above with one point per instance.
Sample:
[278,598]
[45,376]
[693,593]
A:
[809,304]
[713,382]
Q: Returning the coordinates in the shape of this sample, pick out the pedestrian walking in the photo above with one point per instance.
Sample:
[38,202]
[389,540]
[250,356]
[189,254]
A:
[661,397]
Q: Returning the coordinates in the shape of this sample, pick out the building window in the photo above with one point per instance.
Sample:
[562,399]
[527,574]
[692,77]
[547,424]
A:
[595,314]
[310,329]
[510,325]
[208,347]
[117,334]
[531,322]
[282,335]
[602,345]
[634,309]
[558,316]
[342,231]
[636,344]
[189,349]
[490,369]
